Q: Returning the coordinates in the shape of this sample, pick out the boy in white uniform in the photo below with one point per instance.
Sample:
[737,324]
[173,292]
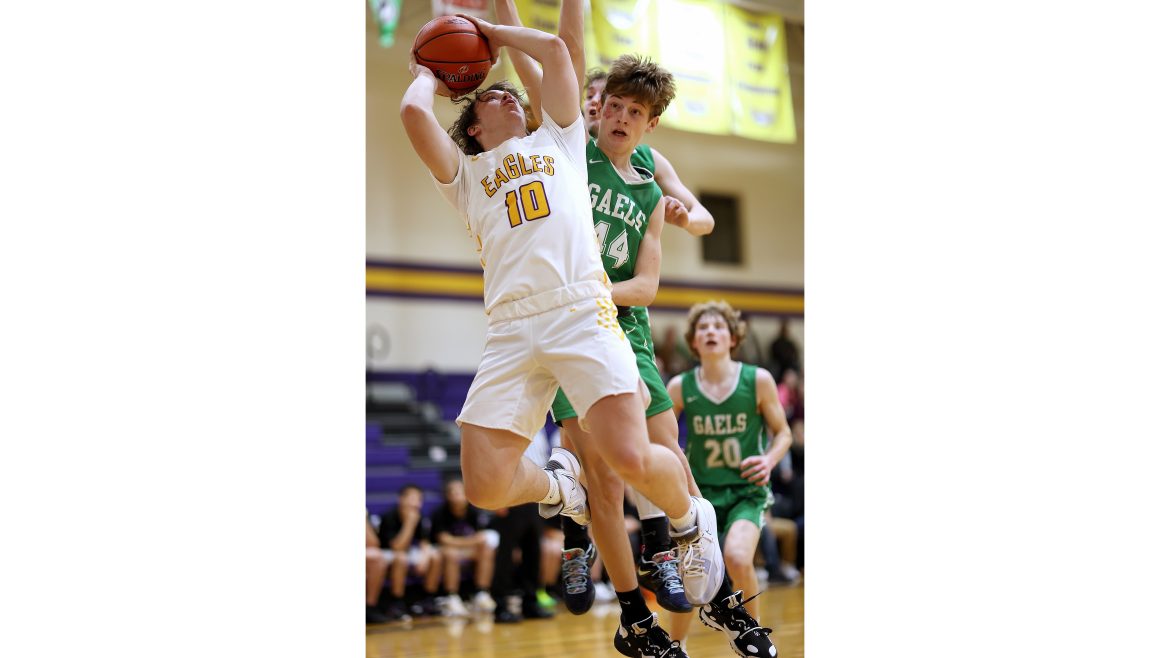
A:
[551,317]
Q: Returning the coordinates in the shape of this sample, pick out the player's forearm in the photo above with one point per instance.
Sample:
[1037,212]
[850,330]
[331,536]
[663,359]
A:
[419,97]
[526,68]
[572,32]
[701,221]
[638,291]
[545,48]
[781,442]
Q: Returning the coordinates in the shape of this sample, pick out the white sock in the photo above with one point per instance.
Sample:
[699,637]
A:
[646,509]
[686,521]
[554,491]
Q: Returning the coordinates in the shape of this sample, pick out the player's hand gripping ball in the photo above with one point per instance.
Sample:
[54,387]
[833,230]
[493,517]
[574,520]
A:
[456,51]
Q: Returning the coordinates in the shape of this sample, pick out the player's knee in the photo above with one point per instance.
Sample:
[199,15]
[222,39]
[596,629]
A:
[738,559]
[631,467]
[485,492]
[605,485]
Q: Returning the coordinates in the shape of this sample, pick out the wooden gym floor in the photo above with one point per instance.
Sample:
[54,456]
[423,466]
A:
[569,636]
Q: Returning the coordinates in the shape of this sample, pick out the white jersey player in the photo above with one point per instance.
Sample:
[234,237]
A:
[551,318]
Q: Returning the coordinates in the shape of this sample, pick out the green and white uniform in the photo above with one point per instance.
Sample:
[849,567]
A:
[720,435]
[621,214]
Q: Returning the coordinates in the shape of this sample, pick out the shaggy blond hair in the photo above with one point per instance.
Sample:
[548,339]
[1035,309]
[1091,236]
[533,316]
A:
[735,323]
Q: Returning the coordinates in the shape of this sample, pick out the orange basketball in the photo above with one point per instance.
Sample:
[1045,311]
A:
[455,50]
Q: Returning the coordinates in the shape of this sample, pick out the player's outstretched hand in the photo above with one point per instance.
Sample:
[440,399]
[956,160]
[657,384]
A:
[488,31]
[755,469]
[418,70]
[676,212]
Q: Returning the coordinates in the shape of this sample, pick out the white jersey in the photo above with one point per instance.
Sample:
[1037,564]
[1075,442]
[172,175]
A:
[527,208]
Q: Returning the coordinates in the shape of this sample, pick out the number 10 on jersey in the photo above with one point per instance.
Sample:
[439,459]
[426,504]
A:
[527,203]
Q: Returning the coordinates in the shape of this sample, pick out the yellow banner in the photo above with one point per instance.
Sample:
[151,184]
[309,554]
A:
[540,14]
[760,95]
[623,26]
[546,15]
[700,72]
[733,80]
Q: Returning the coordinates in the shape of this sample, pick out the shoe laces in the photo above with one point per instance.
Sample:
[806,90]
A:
[692,564]
[660,642]
[667,563]
[734,615]
[575,570]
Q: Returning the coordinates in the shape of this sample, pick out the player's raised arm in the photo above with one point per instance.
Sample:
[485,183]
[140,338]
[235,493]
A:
[530,74]
[572,32]
[689,213]
[560,96]
[433,145]
[642,288]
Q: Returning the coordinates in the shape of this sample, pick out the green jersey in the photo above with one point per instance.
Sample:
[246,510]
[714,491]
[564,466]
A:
[621,213]
[621,210]
[721,433]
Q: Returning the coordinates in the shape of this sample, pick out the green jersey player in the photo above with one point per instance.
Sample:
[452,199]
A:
[731,407]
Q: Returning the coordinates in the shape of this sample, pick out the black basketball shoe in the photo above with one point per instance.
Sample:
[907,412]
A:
[729,615]
[646,639]
[660,575]
[575,579]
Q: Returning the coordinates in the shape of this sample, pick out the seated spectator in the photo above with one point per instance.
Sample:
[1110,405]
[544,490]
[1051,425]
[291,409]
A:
[404,536]
[461,532]
[376,565]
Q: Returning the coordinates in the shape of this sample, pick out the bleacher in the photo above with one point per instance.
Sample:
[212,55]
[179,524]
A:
[411,437]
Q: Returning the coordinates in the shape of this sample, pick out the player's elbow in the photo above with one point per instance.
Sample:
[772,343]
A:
[651,293]
[555,52]
[411,112]
[645,294]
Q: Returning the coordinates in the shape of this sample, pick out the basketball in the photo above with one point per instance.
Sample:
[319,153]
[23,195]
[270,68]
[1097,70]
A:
[455,50]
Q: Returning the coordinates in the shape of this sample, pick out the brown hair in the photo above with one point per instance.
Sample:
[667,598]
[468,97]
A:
[734,322]
[594,75]
[467,116]
[643,80]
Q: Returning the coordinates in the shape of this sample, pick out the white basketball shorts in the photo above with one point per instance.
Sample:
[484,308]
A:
[569,336]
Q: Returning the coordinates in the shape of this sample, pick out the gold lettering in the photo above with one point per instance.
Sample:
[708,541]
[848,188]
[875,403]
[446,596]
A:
[501,178]
[487,186]
[510,166]
[548,165]
[536,163]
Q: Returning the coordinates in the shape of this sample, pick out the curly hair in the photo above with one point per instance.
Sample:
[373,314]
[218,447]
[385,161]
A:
[735,323]
[467,117]
[643,80]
